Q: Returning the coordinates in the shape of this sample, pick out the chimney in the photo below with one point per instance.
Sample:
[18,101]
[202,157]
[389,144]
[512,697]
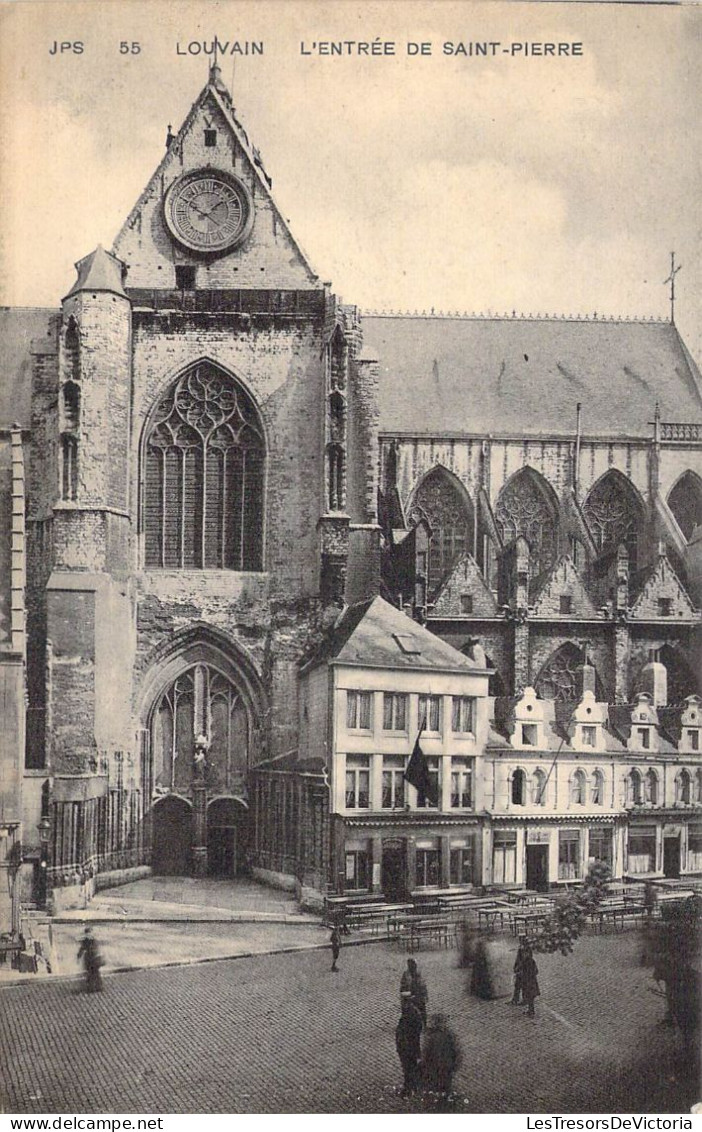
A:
[654,679]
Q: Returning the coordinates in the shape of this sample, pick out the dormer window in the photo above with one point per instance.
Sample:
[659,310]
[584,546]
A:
[210,138]
[693,738]
[466,603]
[588,735]
[530,735]
[643,737]
[565,604]
[665,606]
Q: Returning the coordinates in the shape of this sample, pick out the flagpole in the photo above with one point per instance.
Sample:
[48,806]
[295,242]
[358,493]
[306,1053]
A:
[542,791]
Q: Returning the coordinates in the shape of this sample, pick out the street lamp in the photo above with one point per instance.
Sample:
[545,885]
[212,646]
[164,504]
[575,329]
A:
[44,827]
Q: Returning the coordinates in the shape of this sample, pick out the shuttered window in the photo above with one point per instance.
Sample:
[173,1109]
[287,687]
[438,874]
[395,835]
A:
[203,486]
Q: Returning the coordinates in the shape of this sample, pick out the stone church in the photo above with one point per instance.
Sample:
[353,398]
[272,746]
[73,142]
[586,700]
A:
[223,493]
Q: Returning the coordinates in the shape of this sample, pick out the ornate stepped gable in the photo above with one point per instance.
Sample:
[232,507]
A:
[663,595]
[465,582]
[563,582]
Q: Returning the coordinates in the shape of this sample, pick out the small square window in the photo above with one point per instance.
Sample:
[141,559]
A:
[665,606]
[210,138]
[466,603]
[529,734]
[566,603]
[185,277]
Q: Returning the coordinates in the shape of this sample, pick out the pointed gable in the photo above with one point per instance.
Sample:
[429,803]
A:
[465,593]
[563,582]
[663,596]
[212,140]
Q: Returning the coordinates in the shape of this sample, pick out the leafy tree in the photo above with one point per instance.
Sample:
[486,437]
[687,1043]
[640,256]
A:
[560,931]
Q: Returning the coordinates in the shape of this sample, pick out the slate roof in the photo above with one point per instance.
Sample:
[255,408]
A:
[18,326]
[99,271]
[377,634]
[501,376]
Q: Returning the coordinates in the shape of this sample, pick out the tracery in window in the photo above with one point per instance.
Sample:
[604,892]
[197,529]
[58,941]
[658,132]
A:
[440,500]
[204,464]
[682,681]
[614,515]
[201,701]
[685,501]
[526,507]
[560,678]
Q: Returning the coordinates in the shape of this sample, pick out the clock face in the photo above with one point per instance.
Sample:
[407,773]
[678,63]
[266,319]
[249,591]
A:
[208,211]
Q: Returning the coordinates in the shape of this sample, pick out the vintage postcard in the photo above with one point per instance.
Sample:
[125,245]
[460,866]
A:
[350,561]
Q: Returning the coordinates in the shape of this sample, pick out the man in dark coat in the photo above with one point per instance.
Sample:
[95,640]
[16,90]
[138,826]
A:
[92,962]
[335,940]
[413,982]
[407,1041]
[530,985]
[518,968]
[441,1056]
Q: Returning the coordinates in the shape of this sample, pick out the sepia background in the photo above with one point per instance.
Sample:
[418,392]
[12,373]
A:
[539,185]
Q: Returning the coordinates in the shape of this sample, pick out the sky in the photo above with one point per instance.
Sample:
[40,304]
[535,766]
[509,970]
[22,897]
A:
[512,182]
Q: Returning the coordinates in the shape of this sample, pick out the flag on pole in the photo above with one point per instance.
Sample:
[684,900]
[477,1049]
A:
[417,774]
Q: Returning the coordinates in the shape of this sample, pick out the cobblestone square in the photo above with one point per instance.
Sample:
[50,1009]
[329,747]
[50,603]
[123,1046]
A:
[283,1034]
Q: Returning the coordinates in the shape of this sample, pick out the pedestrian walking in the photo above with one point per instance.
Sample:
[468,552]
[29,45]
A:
[530,985]
[408,1043]
[441,1056]
[518,969]
[335,940]
[92,962]
[413,982]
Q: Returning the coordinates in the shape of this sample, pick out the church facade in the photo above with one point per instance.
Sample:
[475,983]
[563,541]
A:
[221,460]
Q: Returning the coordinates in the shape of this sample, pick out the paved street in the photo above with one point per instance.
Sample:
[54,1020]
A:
[283,1034]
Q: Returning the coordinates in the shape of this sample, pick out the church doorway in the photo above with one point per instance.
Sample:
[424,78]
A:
[224,837]
[172,837]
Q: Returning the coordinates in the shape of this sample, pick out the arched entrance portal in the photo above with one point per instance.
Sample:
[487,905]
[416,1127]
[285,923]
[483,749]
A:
[202,706]
[226,837]
[172,837]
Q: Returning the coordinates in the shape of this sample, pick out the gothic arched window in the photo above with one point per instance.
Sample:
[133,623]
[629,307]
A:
[204,464]
[652,787]
[335,477]
[440,500]
[72,344]
[598,788]
[560,679]
[682,681]
[527,507]
[614,515]
[201,701]
[685,501]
